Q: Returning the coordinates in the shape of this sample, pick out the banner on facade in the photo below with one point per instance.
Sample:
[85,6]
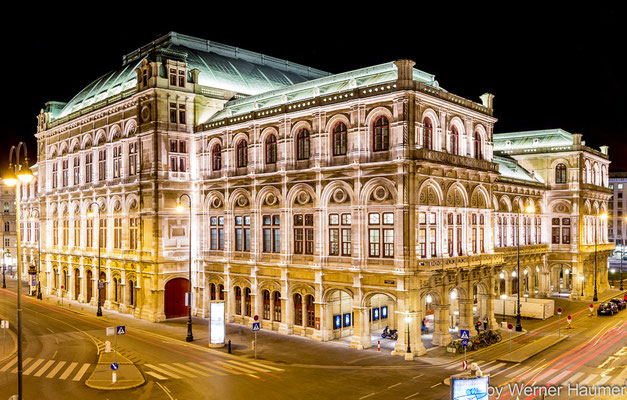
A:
[216,323]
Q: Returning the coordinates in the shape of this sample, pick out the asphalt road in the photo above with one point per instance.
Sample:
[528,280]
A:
[61,346]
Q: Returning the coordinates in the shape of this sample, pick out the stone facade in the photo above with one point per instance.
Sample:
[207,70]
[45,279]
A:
[331,207]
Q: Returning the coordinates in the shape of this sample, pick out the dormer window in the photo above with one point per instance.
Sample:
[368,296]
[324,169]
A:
[177,76]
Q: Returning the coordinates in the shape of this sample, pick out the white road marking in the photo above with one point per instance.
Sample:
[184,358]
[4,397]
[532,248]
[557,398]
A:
[366,396]
[55,354]
[561,376]
[575,377]
[33,366]
[492,368]
[247,366]
[9,365]
[156,375]
[411,395]
[603,380]
[68,371]
[520,372]
[248,371]
[163,371]
[191,369]
[24,363]
[418,376]
[456,365]
[266,366]
[390,387]
[588,379]
[169,367]
[206,368]
[44,368]
[81,372]
[505,370]
[165,390]
[437,384]
[56,369]
[229,370]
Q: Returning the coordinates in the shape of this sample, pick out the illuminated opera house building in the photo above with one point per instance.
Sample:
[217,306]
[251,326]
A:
[331,205]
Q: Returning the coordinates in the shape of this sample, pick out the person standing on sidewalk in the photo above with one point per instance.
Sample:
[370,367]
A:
[485,322]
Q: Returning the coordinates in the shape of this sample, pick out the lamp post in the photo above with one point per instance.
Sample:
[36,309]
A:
[4,267]
[528,210]
[408,320]
[99,312]
[18,173]
[602,216]
[583,282]
[179,208]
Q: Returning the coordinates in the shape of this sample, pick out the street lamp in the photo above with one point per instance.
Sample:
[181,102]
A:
[612,271]
[503,297]
[180,208]
[583,282]
[602,216]
[408,320]
[528,210]
[15,174]
[89,214]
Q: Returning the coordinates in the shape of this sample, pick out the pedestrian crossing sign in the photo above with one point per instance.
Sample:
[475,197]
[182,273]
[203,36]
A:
[121,330]
[464,334]
[256,326]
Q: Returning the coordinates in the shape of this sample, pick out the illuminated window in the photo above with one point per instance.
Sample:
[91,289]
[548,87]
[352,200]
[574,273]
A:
[242,233]
[271,149]
[102,164]
[102,235]
[134,233]
[339,234]
[454,140]
[277,306]
[266,304]
[302,144]
[133,150]
[216,232]
[303,234]
[477,146]
[64,172]
[77,233]
[560,173]
[88,167]
[90,233]
[381,235]
[77,170]
[339,139]
[427,142]
[381,134]
[178,155]
[216,157]
[117,233]
[117,161]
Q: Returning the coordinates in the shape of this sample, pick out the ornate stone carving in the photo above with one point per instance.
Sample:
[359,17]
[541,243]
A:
[242,201]
[339,196]
[303,197]
[271,199]
[380,193]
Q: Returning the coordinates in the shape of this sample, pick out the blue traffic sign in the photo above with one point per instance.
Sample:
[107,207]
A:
[256,326]
[465,342]
[121,330]
[464,334]
[114,366]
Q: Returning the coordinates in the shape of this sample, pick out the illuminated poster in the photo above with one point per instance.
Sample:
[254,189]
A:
[375,314]
[384,312]
[216,323]
[347,320]
[337,321]
[470,389]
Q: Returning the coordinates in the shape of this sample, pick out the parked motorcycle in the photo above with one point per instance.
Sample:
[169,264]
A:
[389,333]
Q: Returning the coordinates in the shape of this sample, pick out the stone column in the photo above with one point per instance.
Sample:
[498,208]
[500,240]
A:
[361,329]
[318,322]
[489,307]
[441,334]
[508,285]
[287,317]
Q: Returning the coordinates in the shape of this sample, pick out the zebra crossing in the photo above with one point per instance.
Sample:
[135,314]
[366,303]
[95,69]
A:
[40,367]
[550,376]
[165,371]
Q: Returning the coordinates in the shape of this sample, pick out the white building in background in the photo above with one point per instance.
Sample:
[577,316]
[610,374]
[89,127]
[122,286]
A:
[9,231]
[329,205]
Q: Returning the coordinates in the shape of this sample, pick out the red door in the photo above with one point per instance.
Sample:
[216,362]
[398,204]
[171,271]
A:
[175,291]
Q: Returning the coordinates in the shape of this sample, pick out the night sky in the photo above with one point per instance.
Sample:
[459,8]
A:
[548,69]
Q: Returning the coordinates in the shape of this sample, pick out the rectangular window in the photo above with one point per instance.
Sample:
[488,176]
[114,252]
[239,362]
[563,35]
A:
[132,158]
[481,241]
[77,170]
[566,235]
[178,157]
[459,242]
[450,242]
[172,77]
[177,113]
[77,233]
[133,225]
[117,233]
[65,172]
[55,233]
[242,233]
[90,234]
[173,113]
[88,167]
[422,242]
[303,234]
[374,243]
[102,235]
[102,164]
[117,161]
[388,242]
[55,172]
[181,78]
[346,241]
[271,233]
[555,235]
[66,233]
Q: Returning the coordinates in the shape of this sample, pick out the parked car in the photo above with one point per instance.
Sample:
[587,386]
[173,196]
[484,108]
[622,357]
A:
[620,303]
[608,308]
[625,297]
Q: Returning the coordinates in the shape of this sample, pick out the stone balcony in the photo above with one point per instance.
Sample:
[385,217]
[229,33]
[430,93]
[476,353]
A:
[437,264]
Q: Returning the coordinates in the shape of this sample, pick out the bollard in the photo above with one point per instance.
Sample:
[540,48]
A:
[378,345]
[229,350]
[107,347]
[114,378]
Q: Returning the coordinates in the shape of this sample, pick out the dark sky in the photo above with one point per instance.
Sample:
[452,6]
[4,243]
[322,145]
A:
[554,68]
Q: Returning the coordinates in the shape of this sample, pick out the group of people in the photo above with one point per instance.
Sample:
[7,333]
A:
[485,324]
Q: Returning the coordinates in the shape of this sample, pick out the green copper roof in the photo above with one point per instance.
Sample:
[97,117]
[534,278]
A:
[328,85]
[532,139]
[220,66]
[509,168]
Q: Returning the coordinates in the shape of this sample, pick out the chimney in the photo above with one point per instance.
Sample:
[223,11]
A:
[604,149]
[405,71]
[487,99]
[577,139]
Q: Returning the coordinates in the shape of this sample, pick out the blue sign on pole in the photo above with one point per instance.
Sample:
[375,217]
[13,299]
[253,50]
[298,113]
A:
[114,366]
[121,330]
[465,342]
[256,326]
[464,334]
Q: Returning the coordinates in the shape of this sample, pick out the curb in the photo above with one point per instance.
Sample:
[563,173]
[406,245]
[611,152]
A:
[12,353]
[133,383]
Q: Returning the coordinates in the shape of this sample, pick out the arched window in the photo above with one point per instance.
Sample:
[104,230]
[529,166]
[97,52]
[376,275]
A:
[427,141]
[339,139]
[381,134]
[454,140]
[216,157]
[477,146]
[247,303]
[311,311]
[266,304]
[277,306]
[212,291]
[560,173]
[238,300]
[585,173]
[302,145]
[131,293]
[242,153]
[271,149]
[6,207]
[298,309]
[221,291]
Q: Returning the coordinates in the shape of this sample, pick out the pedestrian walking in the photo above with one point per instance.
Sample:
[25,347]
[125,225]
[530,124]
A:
[485,322]
[424,327]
